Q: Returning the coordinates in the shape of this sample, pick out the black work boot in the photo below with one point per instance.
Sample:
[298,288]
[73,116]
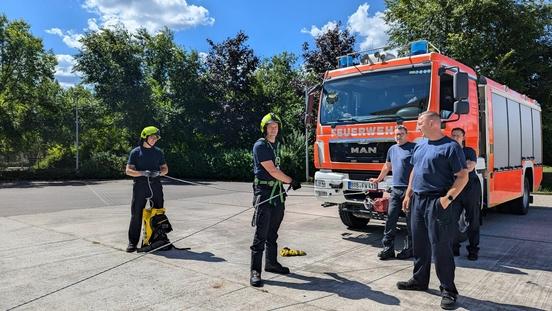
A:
[448,301]
[456,250]
[473,252]
[386,253]
[405,254]
[255,279]
[411,285]
[131,248]
[276,268]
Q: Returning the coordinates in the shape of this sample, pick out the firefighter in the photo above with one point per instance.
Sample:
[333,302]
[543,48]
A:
[146,163]
[268,191]
[438,176]
[469,199]
[398,161]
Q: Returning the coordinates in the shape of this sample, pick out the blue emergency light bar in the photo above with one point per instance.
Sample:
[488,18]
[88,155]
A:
[346,61]
[419,47]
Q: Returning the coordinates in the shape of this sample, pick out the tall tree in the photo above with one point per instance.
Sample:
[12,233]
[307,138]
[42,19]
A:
[28,91]
[329,46]
[507,40]
[111,60]
[230,67]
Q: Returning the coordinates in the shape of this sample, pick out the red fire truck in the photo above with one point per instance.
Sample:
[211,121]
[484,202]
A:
[370,93]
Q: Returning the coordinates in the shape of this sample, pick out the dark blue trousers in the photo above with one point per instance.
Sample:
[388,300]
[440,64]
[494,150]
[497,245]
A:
[395,206]
[268,218]
[433,231]
[470,200]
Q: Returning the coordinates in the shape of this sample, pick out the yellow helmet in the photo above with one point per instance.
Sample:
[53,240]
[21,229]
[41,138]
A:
[270,118]
[150,130]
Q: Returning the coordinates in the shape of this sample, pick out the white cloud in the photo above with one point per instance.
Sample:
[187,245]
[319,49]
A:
[150,14]
[372,30]
[316,32]
[55,31]
[93,25]
[70,38]
[64,71]
[203,57]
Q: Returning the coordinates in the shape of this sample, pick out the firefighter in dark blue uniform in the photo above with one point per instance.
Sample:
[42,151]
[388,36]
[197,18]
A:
[145,164]
[438,177]
[268,199]
[469,199]
[398,161]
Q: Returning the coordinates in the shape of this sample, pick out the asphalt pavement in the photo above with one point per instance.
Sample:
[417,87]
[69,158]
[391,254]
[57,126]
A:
[63,249]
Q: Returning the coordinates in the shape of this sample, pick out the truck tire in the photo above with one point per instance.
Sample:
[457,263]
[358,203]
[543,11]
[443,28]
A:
[351,220]
[520,206]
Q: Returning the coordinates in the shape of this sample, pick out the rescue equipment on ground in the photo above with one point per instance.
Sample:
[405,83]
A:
[156,226]
[287,252]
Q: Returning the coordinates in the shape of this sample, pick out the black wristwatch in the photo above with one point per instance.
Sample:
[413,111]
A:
[450,198]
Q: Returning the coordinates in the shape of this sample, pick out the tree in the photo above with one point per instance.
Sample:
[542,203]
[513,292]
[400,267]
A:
[230,67]
[509,41]
[111,60]
[28,92]
[329,46]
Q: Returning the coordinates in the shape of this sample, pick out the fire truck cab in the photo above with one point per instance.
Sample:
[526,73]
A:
[363,101]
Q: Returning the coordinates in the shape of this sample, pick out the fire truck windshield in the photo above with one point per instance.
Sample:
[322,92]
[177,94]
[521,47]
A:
[376,97]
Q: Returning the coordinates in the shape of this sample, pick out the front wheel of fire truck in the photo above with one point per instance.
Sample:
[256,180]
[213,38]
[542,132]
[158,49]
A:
[521,206]
[349,219]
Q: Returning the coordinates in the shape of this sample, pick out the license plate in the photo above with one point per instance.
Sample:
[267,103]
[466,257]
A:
[360,185]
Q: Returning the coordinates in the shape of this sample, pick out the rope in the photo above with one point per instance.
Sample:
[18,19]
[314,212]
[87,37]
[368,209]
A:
[146,253]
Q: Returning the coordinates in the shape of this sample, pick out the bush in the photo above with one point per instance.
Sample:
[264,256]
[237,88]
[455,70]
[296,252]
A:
[103,165]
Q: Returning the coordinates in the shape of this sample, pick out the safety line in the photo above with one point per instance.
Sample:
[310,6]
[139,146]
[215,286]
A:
[167,244]
[146,253]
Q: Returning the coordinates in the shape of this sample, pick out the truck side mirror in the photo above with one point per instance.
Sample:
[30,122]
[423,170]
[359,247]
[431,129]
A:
[460,85]
[312,97]
[461,106]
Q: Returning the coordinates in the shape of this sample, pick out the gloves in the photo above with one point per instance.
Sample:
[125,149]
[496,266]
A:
[295,184]
[150,173]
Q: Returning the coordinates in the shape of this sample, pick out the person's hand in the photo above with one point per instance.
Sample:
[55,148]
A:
[146,173]
[406,204]
[444,201]
[295,184]
[373,180]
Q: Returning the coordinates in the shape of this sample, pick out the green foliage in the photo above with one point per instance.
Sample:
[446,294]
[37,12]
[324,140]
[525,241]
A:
[103,165]
[54,155]
[507,40]
[28,94]
[329,46]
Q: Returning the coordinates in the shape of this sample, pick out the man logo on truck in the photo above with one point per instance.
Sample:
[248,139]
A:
[365,150]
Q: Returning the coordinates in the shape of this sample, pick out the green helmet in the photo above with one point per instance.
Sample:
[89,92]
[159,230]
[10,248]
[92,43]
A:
[270,118]
[150,130]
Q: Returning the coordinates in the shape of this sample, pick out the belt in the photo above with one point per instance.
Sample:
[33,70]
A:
[269,183]
[275,184]
[431,193]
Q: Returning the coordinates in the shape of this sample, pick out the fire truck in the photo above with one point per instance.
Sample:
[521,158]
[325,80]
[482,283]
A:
[362,102]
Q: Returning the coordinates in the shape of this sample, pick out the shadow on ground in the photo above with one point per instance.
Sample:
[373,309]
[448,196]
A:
[190,255]
[337,285]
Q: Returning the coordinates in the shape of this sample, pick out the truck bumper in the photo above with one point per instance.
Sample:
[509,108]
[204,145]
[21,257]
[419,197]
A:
[333,187]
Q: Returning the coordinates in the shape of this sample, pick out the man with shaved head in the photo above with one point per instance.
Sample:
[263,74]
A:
[438,176]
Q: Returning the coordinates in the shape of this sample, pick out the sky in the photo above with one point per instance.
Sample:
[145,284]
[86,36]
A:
[272,26]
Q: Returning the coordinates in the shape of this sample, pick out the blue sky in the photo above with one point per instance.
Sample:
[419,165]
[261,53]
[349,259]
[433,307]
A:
[272,26]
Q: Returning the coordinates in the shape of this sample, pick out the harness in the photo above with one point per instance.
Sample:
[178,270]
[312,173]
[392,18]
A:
[275,184]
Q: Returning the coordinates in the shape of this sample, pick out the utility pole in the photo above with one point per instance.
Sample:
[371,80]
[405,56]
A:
[77,132]
[306,134]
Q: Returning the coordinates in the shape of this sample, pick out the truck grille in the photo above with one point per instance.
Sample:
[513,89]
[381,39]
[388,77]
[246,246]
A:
[356,152]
